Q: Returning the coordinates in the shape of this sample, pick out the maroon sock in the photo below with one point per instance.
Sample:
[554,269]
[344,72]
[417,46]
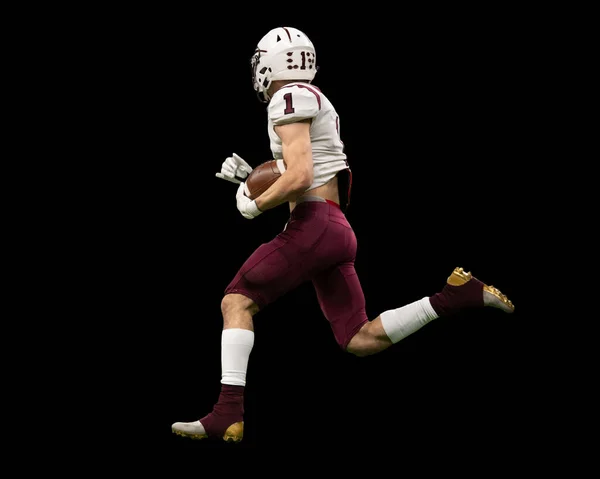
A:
[228,410]
[453,299]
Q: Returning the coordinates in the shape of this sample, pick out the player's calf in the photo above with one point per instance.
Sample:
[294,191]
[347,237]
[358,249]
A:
[370,339]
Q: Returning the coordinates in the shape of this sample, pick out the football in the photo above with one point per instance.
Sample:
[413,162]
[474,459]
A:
[263,176]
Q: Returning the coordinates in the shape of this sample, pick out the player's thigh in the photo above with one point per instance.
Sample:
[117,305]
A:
[271,271]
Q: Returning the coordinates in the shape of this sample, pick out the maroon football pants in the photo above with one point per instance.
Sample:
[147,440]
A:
[318,245]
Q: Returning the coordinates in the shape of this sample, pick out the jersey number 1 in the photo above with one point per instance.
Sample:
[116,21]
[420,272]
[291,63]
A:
[288,104]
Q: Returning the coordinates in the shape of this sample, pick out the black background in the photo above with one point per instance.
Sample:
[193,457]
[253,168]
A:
[435,114]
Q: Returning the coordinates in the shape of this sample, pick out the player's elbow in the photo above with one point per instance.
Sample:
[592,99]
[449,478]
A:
[305,180]
[302,179]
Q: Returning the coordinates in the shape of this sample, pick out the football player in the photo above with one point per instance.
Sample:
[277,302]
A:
[317,244]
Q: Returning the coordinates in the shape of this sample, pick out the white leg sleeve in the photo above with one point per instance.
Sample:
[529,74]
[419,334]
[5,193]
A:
[236,345]
[402,322]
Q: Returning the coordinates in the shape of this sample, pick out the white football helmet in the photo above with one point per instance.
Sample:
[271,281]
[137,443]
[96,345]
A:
[285,53]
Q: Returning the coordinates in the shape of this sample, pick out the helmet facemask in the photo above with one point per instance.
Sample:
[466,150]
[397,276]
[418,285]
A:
[261,77]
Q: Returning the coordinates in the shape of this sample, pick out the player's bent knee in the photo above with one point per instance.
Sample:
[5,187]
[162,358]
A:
[234,302]
[358,350]
[360,344]
[366,342]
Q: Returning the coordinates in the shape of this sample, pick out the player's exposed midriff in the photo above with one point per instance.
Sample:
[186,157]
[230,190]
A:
[328,191]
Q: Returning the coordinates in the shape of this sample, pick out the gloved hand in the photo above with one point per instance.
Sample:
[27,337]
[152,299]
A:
[246,206]
[234,169]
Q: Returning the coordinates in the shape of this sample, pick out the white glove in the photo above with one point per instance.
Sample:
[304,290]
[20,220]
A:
[246,206]
[234,169]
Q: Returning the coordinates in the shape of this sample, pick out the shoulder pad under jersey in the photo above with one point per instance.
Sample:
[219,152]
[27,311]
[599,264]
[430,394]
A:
[294,102]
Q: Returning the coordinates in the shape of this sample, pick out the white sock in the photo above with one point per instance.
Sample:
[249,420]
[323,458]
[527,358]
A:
[402,322]
[236,345]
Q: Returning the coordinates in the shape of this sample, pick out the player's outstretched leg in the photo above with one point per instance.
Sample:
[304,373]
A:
[463,291]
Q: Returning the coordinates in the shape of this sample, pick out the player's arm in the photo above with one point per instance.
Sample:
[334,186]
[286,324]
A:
[298,176]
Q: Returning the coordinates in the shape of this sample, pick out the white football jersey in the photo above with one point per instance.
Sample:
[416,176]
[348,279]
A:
[299,101]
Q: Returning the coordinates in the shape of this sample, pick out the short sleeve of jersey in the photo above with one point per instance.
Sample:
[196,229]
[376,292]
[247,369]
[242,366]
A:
[294,103]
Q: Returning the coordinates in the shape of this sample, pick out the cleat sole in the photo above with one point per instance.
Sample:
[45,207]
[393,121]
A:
[191,436]
[502,302]
[233,434]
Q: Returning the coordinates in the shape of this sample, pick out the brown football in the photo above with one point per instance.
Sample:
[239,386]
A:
[263,176]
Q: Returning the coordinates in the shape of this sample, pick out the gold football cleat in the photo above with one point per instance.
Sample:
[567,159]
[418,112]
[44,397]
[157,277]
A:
[491,296]
[195,430]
